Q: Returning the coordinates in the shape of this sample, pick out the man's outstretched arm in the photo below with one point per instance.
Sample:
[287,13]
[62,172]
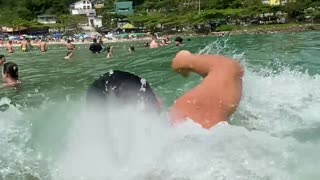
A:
[217,97]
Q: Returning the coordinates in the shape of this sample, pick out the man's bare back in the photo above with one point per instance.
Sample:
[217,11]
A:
[24,46]
[43,47]
[10,48]
[217,97]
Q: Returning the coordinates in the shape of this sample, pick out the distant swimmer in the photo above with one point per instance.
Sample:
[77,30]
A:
[164,42]
[43,45]
[109,50]
[131,49]
[178,41]
[102,45]
[10,74]
[69,55]
[146,44]
[2,59]
[70,46]
[95,47]
[24,45]
[153,43]
[214,100]
[9,47]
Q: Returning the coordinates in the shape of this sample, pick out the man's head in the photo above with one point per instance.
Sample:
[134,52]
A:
[94,40]
[178,41]
[2,59]
[131,48]
[122,88]
[69,41]
[10,42]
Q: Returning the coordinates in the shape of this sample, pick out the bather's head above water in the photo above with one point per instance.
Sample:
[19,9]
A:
[2,59]
[119,88]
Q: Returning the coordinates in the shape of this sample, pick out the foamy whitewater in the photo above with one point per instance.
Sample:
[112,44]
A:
[274,135]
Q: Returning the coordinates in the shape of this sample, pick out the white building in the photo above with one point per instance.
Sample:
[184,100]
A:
[95,21]
[47,19]
[82,7]
[85,7]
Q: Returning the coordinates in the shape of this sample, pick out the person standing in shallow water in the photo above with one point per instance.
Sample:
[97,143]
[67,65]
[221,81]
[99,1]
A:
[70,46]
[24,45]
[178,41]
[43,45]
[9,47]
[153,43]
[10,74]
[95,47]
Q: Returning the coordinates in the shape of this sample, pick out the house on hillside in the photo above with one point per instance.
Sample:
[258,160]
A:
[85,7]
[95,21]
[82,8]
[124,8]
[275,2]
[47,19]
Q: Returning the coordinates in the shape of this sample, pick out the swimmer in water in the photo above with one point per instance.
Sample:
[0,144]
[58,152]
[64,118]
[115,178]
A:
[146,44]
[70,46]
[2,59]
[109,52]
[69,55]
[131,49]
[24,45]
[164,42]
[43,45]
[178,41]
[102,45]
[9,47]
[214,100]
[153,43]
[95,47]
[10,75]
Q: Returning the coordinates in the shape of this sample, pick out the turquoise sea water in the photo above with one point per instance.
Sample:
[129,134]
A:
[48,132]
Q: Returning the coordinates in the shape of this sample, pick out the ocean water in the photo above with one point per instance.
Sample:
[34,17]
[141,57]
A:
[47,131]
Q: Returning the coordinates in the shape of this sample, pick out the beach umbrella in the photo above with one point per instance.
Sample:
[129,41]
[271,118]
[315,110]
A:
[128,26]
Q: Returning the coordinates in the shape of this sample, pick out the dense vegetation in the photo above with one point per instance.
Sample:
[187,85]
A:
[151,13]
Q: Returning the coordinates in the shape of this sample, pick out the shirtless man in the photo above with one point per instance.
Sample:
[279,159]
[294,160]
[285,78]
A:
[217,97]
[24,45]
[70,46]
[214,100]
[153,43]
[10,48]
[43,46]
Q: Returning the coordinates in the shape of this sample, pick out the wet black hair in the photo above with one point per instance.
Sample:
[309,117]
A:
[10,42]
[178,39]
[131,48]
[124,86]
[11,69]
[94,40]
[2,57]
[68,41]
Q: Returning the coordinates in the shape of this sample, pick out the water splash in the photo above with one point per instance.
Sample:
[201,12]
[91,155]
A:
[277,136]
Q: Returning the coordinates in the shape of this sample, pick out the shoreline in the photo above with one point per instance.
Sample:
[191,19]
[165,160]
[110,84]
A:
[256,30]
